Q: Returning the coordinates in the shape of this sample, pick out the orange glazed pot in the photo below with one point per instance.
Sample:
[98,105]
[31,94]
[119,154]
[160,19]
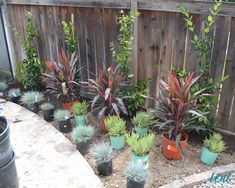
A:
[102,124]
[169,148]
[68,106]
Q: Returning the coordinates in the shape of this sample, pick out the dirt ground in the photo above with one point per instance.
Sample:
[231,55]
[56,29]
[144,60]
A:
[161,170]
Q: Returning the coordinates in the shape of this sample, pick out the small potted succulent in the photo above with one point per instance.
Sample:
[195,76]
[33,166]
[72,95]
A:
[63,119]
[47,111]
[102,153]
[80,111]
[116,128]
[82,137]
[211,148]
[32,99]
[142,121]
[14,94]
[136,175]
[140,147]
[3,89]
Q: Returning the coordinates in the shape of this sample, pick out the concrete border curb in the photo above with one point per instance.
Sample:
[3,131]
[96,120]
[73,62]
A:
[201,177]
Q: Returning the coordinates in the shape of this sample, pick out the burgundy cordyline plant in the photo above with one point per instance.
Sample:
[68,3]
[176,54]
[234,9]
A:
[60,76]
[104,92]
[178,105]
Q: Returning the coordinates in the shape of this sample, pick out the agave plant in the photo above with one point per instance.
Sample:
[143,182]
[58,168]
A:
[60,76]
[104,92]
[178,104]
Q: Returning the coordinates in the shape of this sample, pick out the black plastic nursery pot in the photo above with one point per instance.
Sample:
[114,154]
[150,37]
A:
[83,147]
[105,169]
[6,151]
[65,126]
[15,99]
[133,184]
[34,108]
[48,114]
[8,175]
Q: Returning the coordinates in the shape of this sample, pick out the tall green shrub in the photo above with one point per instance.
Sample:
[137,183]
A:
[28,72]
[203,44]
[131,94]
[70,41]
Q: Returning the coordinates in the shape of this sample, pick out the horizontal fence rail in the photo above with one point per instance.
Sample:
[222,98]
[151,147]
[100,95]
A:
[161,39]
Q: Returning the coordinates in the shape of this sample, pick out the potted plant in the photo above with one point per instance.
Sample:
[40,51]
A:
[47,111]
[63,119]
[80,111]
[211,148]
[136,175]
[104,91]
[140,147]
[178,108]
[116,128]
[60,78]
[142,121]
[31,99]
[102,153]
[14,94]
[82,137]
[3,89]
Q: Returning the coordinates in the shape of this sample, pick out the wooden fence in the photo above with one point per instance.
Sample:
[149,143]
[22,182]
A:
[161,38]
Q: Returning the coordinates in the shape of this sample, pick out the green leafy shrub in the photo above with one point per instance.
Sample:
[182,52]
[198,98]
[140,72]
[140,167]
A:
[47,106]
[70,41]
[28,72]
[136,172]
[102,152]
[83,133]
[140,146]
[80,108]
[62,115]
[215,143]
[203,44]
[122,55]
[144,119]
[14,92]
[115,125]
[133,96]
[32,97]
[3,86]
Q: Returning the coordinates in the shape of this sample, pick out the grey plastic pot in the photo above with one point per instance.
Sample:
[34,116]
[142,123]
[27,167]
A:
[48,114]
[33,107]
[8,175]
[6,152]
[105,169]
[83,147]
[133,184]
[15,99]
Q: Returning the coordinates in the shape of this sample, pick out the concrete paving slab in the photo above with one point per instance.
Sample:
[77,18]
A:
[45,158]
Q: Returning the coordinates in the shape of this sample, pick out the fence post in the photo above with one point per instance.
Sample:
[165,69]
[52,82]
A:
[10,45]
[134,7]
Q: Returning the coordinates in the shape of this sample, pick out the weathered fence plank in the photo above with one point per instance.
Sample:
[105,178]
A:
[226,111]
[197,7]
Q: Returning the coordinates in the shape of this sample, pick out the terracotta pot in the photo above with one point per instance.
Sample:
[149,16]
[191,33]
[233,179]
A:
[68,106]
[169,148]
[102,124]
